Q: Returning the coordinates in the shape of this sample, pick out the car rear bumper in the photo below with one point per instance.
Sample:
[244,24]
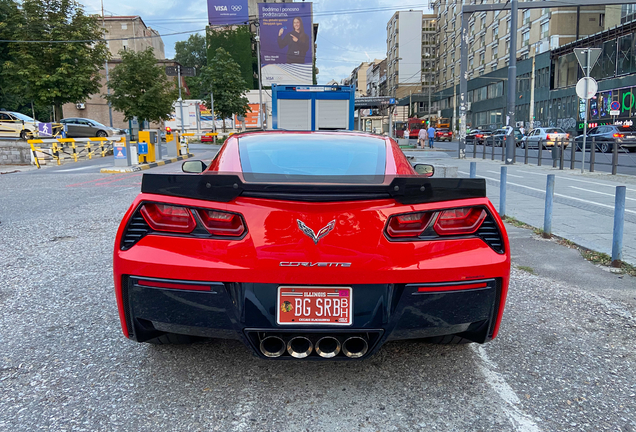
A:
[247,312]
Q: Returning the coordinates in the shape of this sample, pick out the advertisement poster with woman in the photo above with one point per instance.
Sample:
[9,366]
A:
[286,43]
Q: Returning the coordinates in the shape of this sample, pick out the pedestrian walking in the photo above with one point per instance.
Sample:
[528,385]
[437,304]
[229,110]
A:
[431,136]
[407,134]
[421,138]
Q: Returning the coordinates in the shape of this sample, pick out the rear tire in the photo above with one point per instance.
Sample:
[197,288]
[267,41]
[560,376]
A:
[172,339]
[447,340]
[604,147]
[24,135]
[101,134]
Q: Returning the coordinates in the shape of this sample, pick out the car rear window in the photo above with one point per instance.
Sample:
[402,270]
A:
[313,157]
[554,130]
[626,128]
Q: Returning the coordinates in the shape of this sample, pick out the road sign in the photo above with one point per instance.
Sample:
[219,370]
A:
[45,129]
[592,88]
[120,152]
[582,55]
[185,71]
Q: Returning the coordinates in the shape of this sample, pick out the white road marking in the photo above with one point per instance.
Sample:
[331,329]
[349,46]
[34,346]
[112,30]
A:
[569,178]
[521,421]
[559,195]
[600,193]
[509,175]
[82,168]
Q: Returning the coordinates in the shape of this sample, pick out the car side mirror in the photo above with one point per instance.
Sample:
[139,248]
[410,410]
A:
[194,166]
[425,170]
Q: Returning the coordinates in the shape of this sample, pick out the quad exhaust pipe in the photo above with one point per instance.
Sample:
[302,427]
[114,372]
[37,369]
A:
[299,347]
[355,347]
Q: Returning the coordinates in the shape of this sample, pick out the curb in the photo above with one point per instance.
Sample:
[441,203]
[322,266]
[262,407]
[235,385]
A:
[137,168]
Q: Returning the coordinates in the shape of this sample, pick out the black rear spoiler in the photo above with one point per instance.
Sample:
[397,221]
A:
[226,187]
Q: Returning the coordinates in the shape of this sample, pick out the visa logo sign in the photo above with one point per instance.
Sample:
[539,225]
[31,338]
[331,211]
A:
[220,8]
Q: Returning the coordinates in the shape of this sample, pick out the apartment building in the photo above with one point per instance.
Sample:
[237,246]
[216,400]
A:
[124,33]
[376,79]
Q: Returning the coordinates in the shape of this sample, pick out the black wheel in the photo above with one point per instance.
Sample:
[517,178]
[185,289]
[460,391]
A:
[24,135]
[604,147]
[447,340]
[172,339]
[101,134]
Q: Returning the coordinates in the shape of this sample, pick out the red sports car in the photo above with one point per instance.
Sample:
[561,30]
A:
[318,245]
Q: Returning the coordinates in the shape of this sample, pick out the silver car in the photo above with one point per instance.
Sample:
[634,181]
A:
[87,128]
[548,137]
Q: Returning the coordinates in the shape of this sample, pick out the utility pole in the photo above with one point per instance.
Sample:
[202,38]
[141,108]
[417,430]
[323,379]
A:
[531,111]
[260,86]
[180,100]
[512,87]
[110,107]
[463,86]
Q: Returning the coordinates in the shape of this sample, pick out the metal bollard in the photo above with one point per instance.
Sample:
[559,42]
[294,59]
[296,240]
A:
[614,158]
[492,146]
[619,221]
[525,149]
[561,155]
[503,150]
[502,191]
[549,199]
[473,169]
[572,152]
[474,148]
[540,153]
[592,154]
[483,148]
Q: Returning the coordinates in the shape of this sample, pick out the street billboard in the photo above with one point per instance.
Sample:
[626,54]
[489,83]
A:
[227,12]
[252,118]
[286,43]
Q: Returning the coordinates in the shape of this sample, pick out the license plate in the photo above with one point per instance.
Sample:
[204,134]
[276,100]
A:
[314,305]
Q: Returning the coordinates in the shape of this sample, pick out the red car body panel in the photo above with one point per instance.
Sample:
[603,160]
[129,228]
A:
[360,240]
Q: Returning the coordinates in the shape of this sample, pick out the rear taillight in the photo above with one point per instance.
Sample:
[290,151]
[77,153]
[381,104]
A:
[464,220]
[168,218]
[617,135]
[221,223]
[551,137]
[408,225]
[479,136]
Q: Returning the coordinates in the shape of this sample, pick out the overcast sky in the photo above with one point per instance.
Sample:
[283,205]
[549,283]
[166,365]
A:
[349,32]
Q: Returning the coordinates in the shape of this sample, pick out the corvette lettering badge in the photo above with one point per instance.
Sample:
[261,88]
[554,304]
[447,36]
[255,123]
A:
[310,233]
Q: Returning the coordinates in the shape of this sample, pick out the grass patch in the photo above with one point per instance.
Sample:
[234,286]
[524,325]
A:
[516,222]
[527,269]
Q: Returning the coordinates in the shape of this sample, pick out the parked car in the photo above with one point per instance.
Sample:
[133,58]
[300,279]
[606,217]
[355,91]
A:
[320,245]
[17,125]
[443,134]
[478,136]
[548,137]
[606,136]
[499,137]
[87,128]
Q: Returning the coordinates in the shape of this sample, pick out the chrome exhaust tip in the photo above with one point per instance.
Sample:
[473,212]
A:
[328,347]
[299,347]
[272,346]
[355,347]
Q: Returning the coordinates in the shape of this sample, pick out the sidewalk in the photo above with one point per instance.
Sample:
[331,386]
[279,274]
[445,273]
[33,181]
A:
[583,209]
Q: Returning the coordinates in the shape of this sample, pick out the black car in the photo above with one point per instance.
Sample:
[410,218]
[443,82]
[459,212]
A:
[605,137]
[478,136]
[499,137]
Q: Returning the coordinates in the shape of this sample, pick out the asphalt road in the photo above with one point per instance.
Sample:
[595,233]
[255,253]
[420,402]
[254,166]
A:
[564,360]
[602,161]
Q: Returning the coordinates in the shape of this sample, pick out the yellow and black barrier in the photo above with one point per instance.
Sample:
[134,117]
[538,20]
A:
[63,149]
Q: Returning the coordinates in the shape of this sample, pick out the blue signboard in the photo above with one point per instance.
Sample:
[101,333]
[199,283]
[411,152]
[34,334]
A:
[120,152]
[142,148]
[45,129]
[286,42]
[227,12]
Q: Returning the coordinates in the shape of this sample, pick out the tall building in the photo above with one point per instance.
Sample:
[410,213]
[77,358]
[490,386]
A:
[376,79]
[124,33]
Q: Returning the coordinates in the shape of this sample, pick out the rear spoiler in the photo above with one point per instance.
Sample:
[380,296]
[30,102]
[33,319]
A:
[227,187]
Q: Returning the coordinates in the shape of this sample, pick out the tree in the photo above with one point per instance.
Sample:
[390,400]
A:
[223,76]
[140,88]
[192,53]
[237,41]
[10,90]
[56,73]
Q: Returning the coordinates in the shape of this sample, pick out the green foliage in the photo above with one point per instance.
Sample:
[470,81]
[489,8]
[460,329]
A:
[54,73]
[192,53]
[238,42]
[228,86]
[140,88]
